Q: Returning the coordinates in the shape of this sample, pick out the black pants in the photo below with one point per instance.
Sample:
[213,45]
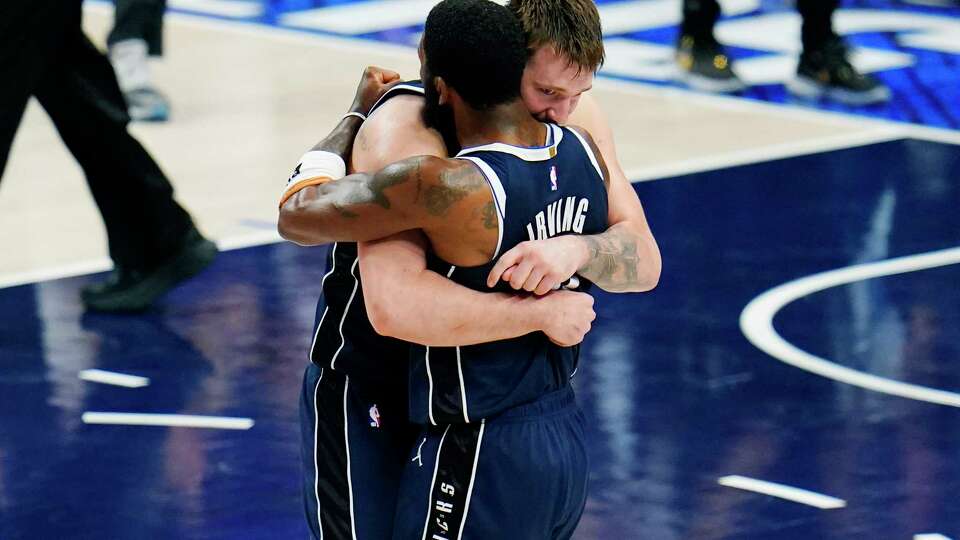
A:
[699,16]
[44,53]
[139,19]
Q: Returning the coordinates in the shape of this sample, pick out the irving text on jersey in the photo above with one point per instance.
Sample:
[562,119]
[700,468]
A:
[565,215]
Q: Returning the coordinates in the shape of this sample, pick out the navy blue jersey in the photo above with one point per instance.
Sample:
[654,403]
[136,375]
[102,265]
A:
[344,339]
[540,193]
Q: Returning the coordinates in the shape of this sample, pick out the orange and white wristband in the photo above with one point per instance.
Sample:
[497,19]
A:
[315,167]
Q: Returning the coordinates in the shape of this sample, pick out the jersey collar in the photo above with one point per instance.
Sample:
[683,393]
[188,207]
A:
[526,153]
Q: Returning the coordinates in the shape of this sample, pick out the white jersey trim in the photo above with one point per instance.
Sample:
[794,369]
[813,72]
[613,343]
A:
[346,438]
[590,154]
[499,196]
[390,93]
[316,444]
[526,153]
[430,389]
[473,476]
[436,464]
[333,266]
[463,388]
[463,384]
[346,310]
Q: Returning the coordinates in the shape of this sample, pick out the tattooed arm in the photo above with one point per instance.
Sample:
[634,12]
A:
[624,258]
[447,199]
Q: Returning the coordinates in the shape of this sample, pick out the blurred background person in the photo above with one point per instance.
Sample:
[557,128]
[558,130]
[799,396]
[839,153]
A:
[136,37]
[152,240]
[823,70]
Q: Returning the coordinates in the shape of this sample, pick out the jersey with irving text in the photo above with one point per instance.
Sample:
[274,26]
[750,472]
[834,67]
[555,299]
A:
[540,193]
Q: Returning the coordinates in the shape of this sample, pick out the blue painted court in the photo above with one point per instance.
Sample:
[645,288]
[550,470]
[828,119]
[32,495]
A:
[675,394]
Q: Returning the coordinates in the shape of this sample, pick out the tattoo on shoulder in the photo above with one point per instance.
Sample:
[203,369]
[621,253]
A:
[490,220]
[455,184]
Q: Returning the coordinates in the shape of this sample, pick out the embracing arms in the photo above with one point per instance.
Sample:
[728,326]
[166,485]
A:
[624,258]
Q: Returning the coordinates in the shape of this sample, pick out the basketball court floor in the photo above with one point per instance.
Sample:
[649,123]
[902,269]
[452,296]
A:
[795,375]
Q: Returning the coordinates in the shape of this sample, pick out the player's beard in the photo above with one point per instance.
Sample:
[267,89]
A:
[439,117]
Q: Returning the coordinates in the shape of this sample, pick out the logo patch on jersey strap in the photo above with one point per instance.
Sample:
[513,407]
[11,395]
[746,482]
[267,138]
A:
[374,417]
[553,178]
[419,457]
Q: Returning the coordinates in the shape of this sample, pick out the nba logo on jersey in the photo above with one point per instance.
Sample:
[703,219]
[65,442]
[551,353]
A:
[374,417]
[553,178]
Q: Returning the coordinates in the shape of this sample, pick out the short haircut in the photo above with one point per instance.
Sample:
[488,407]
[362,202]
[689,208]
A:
[571,27]
[479,50]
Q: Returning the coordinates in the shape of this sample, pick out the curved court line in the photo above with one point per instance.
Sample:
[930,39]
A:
[756,323]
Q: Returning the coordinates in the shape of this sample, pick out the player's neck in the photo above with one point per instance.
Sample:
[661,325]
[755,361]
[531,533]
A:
[510,123]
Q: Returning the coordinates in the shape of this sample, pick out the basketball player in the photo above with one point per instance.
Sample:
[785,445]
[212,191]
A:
[517,176]
[565,38]
[518,381]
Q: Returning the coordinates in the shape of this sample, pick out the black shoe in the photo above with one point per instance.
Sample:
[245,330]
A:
[704,66]
[135,290]
[826,71]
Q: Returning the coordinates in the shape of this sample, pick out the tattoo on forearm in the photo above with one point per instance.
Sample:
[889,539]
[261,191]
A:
[389,178]
[613,259]
[345,194]
[416,199]
[345,211]
[340,140]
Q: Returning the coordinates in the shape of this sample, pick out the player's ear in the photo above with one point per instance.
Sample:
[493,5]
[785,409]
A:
[442,90]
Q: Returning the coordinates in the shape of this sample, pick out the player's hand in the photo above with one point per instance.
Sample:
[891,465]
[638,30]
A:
[373,84]
[539,266]
[567,316]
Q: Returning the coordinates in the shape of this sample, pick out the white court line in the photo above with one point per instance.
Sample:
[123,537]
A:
[49,273]
[224,8]
[94,266]
[171,420]
[930,536]
[802,496]
[783,110]
[257,238]
[116,379]
[767,153]
[756,323]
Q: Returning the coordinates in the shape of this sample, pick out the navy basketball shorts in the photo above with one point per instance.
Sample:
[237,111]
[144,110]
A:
[521,475]
[354,449]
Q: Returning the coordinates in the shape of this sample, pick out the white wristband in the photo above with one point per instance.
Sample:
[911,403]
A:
[320,163]
[361,116]
[315,164]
